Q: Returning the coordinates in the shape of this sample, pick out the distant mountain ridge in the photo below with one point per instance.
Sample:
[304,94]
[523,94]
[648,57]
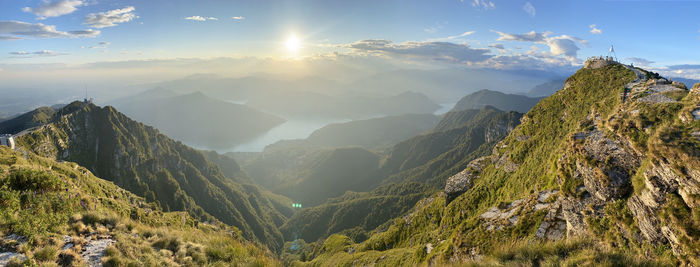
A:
[499,100]
[198,119]
[373,133]
[27,120]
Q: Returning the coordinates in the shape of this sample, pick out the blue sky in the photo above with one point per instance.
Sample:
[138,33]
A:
[664,35]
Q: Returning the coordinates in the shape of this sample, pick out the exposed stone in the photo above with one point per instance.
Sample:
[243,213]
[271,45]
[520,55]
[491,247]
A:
[6,257]
[695,89]
[94,250]
[462,181]
[657,99]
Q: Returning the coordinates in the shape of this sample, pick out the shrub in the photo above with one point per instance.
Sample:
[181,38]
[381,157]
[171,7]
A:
[29,179]
[46,254]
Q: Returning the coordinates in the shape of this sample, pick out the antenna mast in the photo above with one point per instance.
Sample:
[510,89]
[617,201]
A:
[612,54]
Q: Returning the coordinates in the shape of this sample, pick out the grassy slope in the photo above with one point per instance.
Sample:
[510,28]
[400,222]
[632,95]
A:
[434,156]
[141,160]
[45,200]
[457,225]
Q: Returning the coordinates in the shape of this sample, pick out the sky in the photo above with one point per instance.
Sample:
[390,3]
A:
[63,37]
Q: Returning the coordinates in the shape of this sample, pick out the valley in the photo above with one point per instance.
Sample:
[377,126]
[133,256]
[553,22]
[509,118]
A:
[327,133]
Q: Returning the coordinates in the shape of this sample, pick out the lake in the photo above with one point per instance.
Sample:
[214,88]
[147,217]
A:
[296,128]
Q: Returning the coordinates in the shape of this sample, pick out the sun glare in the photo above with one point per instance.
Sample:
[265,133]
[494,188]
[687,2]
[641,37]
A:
[293,43]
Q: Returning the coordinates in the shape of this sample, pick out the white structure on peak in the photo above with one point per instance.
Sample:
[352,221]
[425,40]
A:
[7,140]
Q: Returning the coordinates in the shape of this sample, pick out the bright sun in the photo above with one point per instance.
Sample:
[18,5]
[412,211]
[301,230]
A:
[293,43]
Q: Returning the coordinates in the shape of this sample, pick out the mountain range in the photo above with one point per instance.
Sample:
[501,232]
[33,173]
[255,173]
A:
[591,176]
[142,160]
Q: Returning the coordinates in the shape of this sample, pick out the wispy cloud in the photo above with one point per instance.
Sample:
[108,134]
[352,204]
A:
[238,18]
[484,4]
[530,9]
[99,45]
[42,53]
[54,9]
[111,18]
[497,46]
[594,29]
[452,37]
[200,18]
[435,28]
[12,30]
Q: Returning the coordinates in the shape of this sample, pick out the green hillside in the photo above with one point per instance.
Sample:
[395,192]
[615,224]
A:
[30,119]
[58,213]
[373,133]
[415,169]
[585,179]
[141,160]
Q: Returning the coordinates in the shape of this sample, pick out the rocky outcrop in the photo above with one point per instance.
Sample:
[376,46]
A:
[607,167]
[462,181]
[553,226]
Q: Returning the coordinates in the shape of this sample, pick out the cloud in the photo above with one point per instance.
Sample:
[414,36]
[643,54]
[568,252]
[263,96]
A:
[85,33]
[453,37]
[432,51]
[594,29]
[42,53]
[238,18]
[200,18]
[530,9]
[485,4]
[99,45]
[110,18]
[684,67]
[688,71]
[640,61]
[54,9]
[436,27]
[12,30]
[563,45]
[497,46]
[4,38]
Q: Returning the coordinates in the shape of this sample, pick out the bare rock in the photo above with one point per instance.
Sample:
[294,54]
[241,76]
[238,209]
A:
[609,177]
[463,181]
[7,257]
